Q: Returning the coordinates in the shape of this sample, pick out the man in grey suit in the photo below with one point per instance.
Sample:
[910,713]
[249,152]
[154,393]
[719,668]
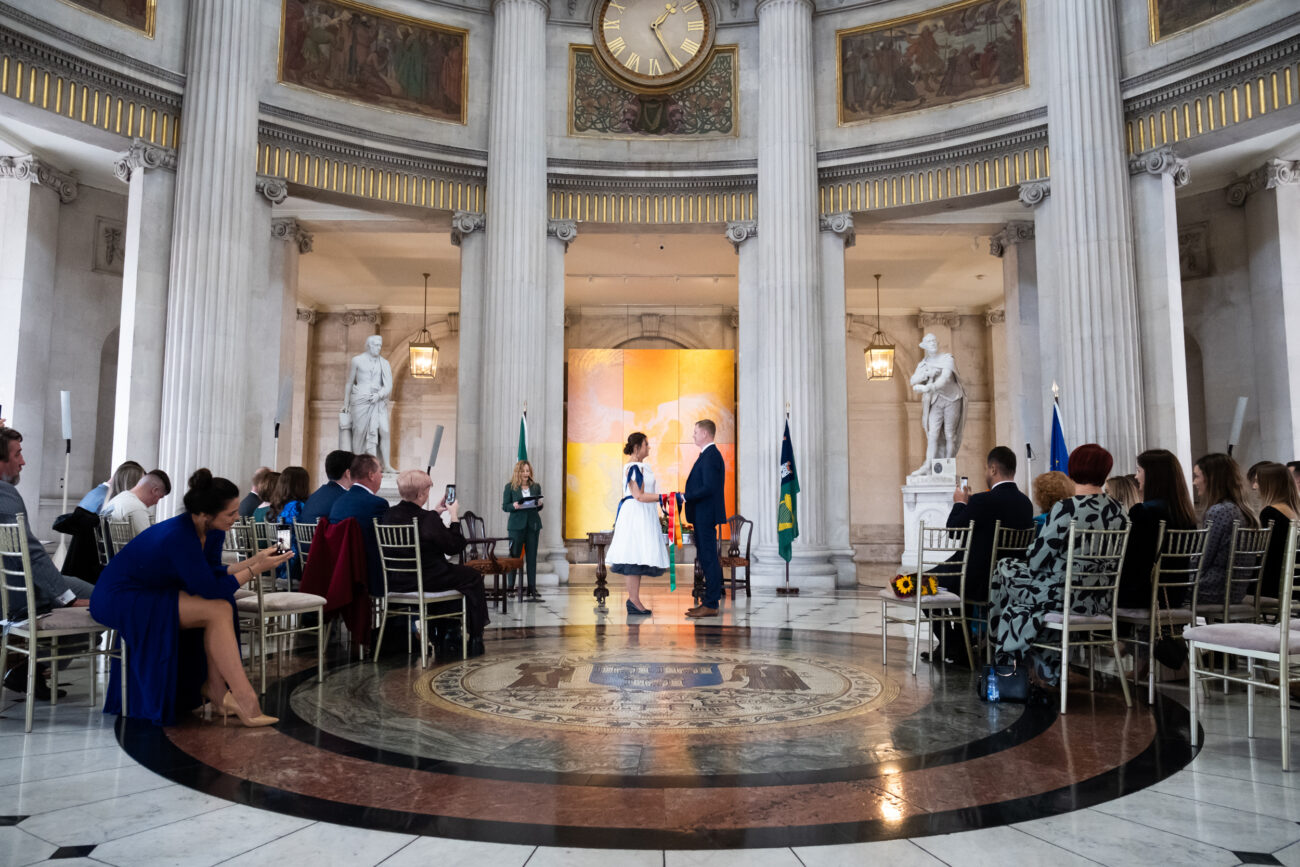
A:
[53,589]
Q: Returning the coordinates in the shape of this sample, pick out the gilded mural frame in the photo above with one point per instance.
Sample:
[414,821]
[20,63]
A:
[907,19]
[732,49]
[150,21]
[392,16]
[1153,20]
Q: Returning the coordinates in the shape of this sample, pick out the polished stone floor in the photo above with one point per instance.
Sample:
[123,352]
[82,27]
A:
[776,730]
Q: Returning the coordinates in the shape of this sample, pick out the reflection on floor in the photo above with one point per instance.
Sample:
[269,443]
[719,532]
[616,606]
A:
[777,730]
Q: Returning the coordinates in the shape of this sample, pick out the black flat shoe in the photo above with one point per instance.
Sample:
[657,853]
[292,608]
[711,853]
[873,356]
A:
[533,596]
[476,647]
[638,612]
[925,657]
[16,681]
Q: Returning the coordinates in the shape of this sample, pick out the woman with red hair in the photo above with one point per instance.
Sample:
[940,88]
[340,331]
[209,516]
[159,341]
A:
[1023,592]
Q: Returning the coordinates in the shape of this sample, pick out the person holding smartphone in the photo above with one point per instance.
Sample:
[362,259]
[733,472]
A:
[522,501]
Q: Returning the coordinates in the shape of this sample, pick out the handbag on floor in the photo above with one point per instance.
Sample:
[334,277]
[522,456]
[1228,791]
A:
[1169,650]
[1003,683]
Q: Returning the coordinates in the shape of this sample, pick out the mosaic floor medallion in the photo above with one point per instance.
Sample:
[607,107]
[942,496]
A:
[630,688]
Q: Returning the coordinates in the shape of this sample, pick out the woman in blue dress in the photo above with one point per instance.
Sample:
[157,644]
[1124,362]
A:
[168,579]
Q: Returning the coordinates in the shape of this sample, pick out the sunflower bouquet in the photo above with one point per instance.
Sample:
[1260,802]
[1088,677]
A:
[905,585]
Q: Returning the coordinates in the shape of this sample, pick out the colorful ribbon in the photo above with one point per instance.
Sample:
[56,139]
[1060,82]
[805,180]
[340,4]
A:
[673,504]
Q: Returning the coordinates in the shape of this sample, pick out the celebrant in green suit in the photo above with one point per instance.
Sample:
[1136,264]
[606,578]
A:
[522,501]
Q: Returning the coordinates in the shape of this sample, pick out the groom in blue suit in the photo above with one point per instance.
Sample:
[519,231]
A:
[706,507]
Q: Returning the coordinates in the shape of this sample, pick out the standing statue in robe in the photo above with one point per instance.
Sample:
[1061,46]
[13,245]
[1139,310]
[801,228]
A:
[366,405]
[943,402]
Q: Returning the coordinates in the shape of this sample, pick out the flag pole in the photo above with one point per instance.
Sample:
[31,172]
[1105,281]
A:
[787,590]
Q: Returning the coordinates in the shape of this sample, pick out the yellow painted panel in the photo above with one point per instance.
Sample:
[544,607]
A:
[595,396]
[650,394]
[593,487]
[687,455]
[707,382]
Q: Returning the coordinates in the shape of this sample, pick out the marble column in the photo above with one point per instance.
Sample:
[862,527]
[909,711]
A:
[1094,245]
[1022,402]
[289,242]
[1156,174]
[304,319]
[514,270]
[836,235]
[467,235]
[208,309]
[264,331]
[1271,196]
[788,362]
[742,235]
[149,172]
[995,321]
[30,194]
[559,235]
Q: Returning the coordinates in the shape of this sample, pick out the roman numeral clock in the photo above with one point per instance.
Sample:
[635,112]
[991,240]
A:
[654,45]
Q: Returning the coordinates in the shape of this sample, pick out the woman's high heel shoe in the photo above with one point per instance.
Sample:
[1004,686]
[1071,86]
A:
[632,609]
[229,706]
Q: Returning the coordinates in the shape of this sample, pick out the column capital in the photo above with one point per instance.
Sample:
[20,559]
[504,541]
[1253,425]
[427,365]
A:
[740,231]
[995,316]
[1032,193]
[289,229]
[143,155]
[562,230]
[35,170]
[275,189]
[546,6]
[307,314]
[764,4]
[465,223]
[1161,161]
[927,319]
[1274,173]
[352,317]
[840,224]
[1014,232]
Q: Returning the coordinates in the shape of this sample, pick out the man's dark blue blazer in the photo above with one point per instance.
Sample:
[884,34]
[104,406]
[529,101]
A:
[357,502]
[1003,502]
[318,505]
[706,507]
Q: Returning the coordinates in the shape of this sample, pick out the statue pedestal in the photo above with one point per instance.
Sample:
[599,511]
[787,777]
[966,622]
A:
[927,497]
[388,489]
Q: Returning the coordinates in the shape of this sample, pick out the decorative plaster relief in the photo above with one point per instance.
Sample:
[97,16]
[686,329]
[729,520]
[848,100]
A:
[599,107]
[109,246]
[1194,251]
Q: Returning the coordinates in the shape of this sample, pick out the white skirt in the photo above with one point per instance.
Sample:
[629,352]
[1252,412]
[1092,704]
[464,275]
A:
[638,541]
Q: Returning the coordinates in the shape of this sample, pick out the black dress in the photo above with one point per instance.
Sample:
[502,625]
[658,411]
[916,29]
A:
[1140,557]
[1272,571]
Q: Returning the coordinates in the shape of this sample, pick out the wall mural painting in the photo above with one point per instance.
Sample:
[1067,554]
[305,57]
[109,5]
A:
[600,107]
[136,14]
[378,58]
[1174,16]
[963,51]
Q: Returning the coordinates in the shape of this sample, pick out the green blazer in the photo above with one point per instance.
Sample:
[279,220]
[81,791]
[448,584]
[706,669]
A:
[521,519]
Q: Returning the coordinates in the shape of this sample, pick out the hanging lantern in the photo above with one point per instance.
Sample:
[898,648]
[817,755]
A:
[879,355]
[423,351]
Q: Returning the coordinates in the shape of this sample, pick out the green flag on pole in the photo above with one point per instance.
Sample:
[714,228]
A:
[787,509]
[523,437]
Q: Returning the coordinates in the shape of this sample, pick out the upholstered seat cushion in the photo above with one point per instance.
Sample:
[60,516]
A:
[1143,615]
[1245,636]
[942,599]
[64,621]
[1096,620]
[412,597]
[1236,610]
[244,593]
[280,602]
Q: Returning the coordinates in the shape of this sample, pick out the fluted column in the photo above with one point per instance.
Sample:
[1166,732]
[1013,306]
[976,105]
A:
[749,380]
[790,306]
[208,305]
[467,235]
[289,242]
[1156,174]
[1102,402]
[149,171]
[304,319]
[559,234]
[30,194]
[1022,401]
[836,235]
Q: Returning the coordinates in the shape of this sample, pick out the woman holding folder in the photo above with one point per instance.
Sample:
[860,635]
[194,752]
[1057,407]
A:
[522,501]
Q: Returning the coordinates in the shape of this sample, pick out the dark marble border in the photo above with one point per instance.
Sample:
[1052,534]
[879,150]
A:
[1032,723]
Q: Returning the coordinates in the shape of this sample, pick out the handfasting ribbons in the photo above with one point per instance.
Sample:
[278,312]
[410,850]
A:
[673,504]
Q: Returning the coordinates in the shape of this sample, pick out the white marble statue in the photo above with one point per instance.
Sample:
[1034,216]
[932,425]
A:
[366,403]
[943,403]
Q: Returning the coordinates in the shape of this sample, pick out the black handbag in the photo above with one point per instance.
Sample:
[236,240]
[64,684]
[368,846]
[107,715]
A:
[1169,650]
[1012,683]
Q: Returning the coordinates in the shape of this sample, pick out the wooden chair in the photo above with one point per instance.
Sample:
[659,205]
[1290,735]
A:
[937,545]
[1008,543]
[480,555]
[269,614]
[1271,653]
[741,531]
[1093,560]
[41,634]
[399,553]
[1175,575]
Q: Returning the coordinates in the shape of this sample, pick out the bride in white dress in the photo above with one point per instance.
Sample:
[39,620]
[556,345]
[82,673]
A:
[637,548]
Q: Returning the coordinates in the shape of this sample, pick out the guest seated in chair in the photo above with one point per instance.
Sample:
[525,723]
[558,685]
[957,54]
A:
[1165,498]
[1023,592]
[361,501]
[437,543]
[1277,491]
[168,579]
[1049,489]
[338,464]
[1221,492]
[135,505]
[97,496]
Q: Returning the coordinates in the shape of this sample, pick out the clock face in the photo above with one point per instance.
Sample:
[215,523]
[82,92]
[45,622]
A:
[654,44]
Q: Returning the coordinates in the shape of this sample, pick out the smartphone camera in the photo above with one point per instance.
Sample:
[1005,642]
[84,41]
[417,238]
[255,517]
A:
[965,481]
[451,494]
[283,541]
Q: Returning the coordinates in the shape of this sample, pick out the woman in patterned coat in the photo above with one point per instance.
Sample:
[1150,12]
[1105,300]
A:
[1023,592]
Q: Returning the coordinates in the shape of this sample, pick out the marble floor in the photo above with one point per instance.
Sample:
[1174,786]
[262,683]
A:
[910,765]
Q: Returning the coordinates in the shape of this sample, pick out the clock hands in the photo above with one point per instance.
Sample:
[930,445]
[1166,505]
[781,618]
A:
[669,9]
